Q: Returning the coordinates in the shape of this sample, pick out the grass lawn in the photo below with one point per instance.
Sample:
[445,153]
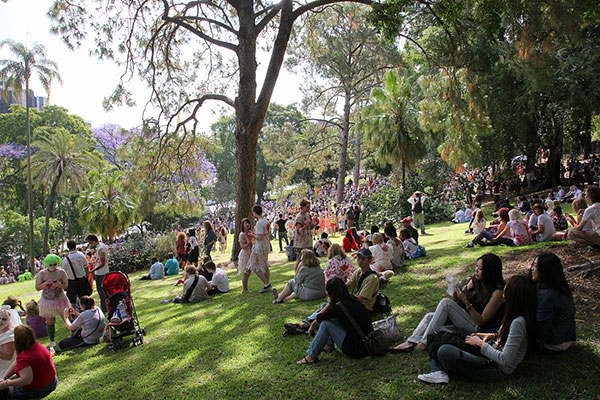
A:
[231,346]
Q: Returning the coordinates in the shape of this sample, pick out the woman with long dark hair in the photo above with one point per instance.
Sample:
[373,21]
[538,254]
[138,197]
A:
[501,353]
[210,238]
[482,300]
[335,328]
[556,309]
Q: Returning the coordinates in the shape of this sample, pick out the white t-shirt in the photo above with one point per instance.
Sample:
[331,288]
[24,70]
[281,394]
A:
[80,265]
[545,221]
[15,318]
[92,325]
[592,214]
[410,247]
[220,280]
[101,249]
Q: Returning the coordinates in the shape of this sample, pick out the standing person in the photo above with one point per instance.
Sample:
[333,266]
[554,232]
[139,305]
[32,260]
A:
[259,256]
[76,266]
[210,238]
[193,248]
[34,368]
[244,256]
[303,231]
[100,267]
[418,216]
[180,245]
[282,232]
[223,238]
[52,281]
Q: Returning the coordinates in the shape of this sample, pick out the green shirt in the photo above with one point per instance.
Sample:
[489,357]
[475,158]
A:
[368,290]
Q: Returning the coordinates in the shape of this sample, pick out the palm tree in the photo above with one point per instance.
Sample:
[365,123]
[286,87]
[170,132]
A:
[390,122]
[61,162]
[106,208]
[15,74]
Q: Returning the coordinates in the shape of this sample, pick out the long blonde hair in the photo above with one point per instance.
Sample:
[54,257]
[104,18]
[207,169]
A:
[336,250]
[309,259]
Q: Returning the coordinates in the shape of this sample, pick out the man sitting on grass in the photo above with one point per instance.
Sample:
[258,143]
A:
[194,288]
[219,282]
[172,265]
[591,214]
[157,270]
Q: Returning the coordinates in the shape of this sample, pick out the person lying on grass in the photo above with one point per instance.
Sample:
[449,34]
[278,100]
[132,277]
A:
[309,282]
[556,309]
[363,283]
[335,328]
[481,308]
[500,353]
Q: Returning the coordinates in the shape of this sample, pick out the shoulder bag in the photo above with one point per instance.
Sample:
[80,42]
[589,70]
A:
[375,342]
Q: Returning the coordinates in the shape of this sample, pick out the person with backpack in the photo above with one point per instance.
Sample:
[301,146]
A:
[418,216]
[194,288]
[76,266]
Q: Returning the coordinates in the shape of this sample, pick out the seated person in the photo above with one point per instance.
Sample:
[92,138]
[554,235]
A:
[172,265]
[459,217]
[591,214]
[545,228]
[516,227]
[395,243]
[219,282]
[411,248]
[335,327]
[309,282]
[363,284]
[348,242]
[35,320]
[339,264]
[559,220]
[15,307]
[34,368]
[88,327]
[157,270]
[194,288]
[556,309]
[382,256]
[322,246]
[482,300]
[495,227]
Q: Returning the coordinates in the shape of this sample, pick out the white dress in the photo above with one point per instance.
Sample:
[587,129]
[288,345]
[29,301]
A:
[382,257]
[244,255]
[6,337]
[259,257]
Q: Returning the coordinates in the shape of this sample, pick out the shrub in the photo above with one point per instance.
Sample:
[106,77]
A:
[389,203]
[136,251]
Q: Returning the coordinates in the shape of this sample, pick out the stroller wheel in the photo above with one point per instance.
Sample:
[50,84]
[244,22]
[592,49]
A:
[143,331]
[111,348]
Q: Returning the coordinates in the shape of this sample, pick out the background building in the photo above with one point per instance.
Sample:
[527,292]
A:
[34,101]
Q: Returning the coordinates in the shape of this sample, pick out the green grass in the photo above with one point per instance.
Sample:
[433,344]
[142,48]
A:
[230,347]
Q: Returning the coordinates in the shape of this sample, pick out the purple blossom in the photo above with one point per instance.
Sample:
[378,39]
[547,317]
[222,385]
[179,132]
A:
[10,151]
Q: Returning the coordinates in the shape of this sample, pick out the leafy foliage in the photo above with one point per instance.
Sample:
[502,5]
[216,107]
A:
[136,251]
[390,202]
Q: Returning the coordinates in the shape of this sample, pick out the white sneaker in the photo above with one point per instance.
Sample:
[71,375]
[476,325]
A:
[52,344]
[265,289]
[435,377]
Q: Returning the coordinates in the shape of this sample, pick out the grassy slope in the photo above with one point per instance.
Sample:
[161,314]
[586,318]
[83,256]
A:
[231,346]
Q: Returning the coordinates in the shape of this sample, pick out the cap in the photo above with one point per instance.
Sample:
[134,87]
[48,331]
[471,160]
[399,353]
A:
[407,219]
[365,252]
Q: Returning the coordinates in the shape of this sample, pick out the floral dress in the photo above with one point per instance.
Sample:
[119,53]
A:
[259,256]
[338,267]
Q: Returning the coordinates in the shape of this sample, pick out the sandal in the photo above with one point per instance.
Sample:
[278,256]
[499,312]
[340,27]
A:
[277,301]
[305,361]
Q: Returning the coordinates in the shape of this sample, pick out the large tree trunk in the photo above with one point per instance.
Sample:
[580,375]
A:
[586,137]
[555,156]
[49,207]
[358,139]
[344,150]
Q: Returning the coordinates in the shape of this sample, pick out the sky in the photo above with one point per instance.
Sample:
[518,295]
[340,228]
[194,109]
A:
[87,80]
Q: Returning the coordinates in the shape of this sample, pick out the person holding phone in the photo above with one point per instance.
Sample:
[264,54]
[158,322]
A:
[53,282]
[88,326]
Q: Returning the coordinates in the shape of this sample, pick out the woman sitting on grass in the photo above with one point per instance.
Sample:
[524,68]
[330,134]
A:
[382,256]
[579,207]
[517,228]
[556,309]
[335,328]
[501,353]
[309,282]
[36,374]
[482,300]
[339,264]
[348,242]
[490,233]
[478,223]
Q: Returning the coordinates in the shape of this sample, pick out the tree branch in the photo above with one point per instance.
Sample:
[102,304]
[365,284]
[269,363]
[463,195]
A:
[318,3]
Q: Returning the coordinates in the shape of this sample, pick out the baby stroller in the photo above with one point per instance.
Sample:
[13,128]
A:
[123,320]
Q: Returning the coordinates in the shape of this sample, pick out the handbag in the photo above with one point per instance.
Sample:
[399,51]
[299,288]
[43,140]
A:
[82,284]
[452,335]
[375,342]
[389,328]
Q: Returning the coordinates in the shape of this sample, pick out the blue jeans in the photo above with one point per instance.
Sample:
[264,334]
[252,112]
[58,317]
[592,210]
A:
[460,364]
[23,393]
[313,316]
[330,332]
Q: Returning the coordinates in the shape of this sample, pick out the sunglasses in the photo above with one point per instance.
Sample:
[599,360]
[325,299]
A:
[52,265]
[3,319]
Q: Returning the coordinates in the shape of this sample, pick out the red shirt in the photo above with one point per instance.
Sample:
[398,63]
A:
[39,359]
[348,244]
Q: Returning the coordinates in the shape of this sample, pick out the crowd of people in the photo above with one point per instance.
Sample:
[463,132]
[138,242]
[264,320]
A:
[495,322]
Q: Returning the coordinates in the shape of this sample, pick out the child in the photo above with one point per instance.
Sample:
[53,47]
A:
[411,248]
[34,320]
